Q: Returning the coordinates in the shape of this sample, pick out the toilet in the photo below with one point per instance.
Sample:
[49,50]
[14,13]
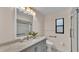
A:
[49,45]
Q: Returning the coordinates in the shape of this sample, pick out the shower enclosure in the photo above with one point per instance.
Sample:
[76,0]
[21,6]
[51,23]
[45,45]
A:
[74,31]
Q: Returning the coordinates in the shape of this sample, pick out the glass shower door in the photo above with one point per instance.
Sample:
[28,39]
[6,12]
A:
[78,28]
[74,41]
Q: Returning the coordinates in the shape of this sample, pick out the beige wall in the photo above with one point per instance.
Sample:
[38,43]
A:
[38,23]
[62,42]
[6,24]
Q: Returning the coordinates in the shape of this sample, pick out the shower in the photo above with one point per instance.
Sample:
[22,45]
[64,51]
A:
[74,31]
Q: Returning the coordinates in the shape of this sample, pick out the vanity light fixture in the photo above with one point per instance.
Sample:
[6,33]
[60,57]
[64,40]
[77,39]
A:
[28,10]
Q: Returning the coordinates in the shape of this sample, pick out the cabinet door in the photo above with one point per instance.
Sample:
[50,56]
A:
[43,46]
[38,47]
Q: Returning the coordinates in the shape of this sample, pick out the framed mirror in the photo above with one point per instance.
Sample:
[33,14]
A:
[23,23]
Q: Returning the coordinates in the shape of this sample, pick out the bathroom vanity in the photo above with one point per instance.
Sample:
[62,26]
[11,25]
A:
[36,45]
[32,45]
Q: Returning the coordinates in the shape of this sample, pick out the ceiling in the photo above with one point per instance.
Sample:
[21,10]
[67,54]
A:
[50,10]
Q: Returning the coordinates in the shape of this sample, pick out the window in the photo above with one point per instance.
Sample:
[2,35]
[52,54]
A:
[60,25]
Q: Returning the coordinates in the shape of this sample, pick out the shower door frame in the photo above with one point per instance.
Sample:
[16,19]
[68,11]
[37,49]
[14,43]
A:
[77,32]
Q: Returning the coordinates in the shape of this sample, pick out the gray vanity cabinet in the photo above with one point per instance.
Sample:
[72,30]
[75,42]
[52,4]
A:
[38,47]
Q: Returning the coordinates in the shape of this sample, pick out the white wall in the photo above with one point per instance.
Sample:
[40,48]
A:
[38,23]
[62,42]
[6,24]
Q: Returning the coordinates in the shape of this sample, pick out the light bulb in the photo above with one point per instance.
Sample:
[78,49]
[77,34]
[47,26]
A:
[28,9]
[23,8]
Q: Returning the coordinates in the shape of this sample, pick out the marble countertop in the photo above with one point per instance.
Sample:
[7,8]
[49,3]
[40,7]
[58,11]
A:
[20,45]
